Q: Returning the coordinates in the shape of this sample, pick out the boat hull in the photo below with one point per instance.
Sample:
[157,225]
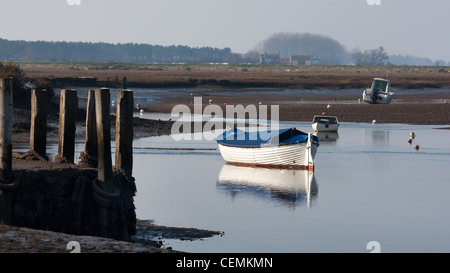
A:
[297,156]
[380,98]
[325,127]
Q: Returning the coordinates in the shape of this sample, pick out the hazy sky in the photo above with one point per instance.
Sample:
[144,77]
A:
[407,27]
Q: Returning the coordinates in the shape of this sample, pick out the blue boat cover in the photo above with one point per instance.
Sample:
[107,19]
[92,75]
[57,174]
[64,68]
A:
[239,138]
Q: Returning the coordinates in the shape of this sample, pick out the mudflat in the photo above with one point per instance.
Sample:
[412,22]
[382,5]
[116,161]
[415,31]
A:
[234,82]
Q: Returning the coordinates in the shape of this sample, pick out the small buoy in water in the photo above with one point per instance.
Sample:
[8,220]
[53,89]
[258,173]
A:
[409,140]
[417,147]
[112,103]
[445,102]
[323,113]
[359,101]
[138,106]
[210,101]
[374,121]
[141,112]
[224,103]
[328,106]
[412,135]
[192,94]
[260,102]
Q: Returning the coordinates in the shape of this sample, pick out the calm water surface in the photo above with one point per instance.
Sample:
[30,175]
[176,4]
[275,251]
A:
[369,185]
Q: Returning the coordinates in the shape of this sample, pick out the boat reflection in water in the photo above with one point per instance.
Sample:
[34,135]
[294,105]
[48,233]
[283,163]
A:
[327,136]
[289,187]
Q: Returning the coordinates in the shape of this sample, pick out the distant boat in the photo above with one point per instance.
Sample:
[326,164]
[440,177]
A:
[378,92]
[321,123]
[285,148]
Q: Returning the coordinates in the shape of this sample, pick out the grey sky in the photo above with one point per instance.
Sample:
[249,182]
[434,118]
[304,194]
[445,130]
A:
[406,27]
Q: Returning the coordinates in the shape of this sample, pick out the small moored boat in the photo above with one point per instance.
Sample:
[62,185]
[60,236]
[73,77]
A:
[325,123]
[285,148]
[378,92]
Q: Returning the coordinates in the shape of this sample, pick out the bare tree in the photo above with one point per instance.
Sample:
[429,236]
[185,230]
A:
[371,57]
[320,47]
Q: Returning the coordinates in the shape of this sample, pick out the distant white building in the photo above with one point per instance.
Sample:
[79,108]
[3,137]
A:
[269,58]
[301,60]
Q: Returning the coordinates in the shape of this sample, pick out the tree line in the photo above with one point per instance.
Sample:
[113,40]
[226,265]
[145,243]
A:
[328,51]
[322,49]
[44,51]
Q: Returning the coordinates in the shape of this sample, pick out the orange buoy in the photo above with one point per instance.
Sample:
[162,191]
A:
[417,147]
[138,106]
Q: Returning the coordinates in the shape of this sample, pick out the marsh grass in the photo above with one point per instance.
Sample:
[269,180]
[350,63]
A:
[244,76]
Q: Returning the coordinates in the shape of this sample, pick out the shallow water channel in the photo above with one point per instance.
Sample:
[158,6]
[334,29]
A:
[369,184]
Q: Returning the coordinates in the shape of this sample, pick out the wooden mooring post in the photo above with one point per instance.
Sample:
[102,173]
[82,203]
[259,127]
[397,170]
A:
[124,131]
[67,110]
[102,110]
[38,129]
[105,191]
[5,150]
[90,154]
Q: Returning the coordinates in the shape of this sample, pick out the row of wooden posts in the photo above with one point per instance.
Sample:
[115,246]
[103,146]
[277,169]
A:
[98,135]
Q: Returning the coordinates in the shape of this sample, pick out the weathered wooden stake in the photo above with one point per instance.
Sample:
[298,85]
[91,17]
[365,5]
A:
[38,129]
[90,154]
[5,149]
[124,131]
[102,108]
[104,191]
[67,111]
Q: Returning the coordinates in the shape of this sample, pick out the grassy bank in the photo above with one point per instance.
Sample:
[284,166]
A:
[243,76]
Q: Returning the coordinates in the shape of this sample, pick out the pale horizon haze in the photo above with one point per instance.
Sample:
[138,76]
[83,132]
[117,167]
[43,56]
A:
[405,27]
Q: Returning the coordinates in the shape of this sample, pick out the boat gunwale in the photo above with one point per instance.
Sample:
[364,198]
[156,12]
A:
[268,145]
[334,118]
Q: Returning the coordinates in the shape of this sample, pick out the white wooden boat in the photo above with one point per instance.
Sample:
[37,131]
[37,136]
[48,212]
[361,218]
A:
[322,123]
[287,186]
[285,148]
[378,92]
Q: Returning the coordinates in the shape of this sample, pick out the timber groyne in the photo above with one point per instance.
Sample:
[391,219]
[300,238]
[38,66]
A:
[93,197]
